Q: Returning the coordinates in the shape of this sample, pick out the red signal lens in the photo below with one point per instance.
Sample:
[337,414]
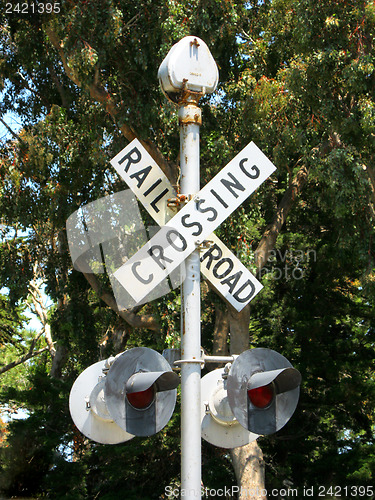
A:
[261,397]
[142,399]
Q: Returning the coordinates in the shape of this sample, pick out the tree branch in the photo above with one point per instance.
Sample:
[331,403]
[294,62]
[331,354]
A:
[59,86]
[137,321]
[369,169]
[98,93]
[22,359]
[37,302]
[41,311]
[11,132]
[271,233]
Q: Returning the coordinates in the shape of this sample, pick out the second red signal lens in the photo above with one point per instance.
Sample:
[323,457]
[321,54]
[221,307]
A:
[261,397]
[142,399]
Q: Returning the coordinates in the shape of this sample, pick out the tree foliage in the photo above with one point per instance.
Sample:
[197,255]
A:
[298,78]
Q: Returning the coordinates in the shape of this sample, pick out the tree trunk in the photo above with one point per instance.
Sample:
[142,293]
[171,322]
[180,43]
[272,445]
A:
[239,329]
[247,460]
[248,465]
[221,330]
[58,362]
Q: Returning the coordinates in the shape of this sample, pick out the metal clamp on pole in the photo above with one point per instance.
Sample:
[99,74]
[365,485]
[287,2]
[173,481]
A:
[207,359]
[203,245]
[178,200]
[183,361]
[220,359]
[173,356]
[190,113]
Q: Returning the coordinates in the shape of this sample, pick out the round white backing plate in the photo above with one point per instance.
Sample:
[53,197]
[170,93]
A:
[225,436]
[92,426]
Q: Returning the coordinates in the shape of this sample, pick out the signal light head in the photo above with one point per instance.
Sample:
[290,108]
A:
[140,391]
[263,390]
[135,398]
[261,397]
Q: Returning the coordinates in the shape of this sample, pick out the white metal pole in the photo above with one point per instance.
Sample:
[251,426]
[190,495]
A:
[190,121]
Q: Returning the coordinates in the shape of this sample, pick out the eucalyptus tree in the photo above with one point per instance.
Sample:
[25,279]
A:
[297,77]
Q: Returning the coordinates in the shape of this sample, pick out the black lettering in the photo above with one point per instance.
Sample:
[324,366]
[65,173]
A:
[158,198]
[230,185]
[219,264]
[141,175]
[191,224]
[159,257]
[219,198]
[207,209]
[245,299]
[139,278]
[129,158]
[232,281]
[172,243]
[254,167]
[151,188]
[210,255]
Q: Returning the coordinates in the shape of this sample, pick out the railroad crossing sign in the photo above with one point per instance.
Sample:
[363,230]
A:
[181,233]
[186,74]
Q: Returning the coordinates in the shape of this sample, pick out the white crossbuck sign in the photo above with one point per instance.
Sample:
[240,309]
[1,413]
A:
[181,233]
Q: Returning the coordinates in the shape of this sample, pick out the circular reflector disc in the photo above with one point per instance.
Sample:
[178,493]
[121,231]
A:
[251,362]
[218,426]
[94,423]
[143,422]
